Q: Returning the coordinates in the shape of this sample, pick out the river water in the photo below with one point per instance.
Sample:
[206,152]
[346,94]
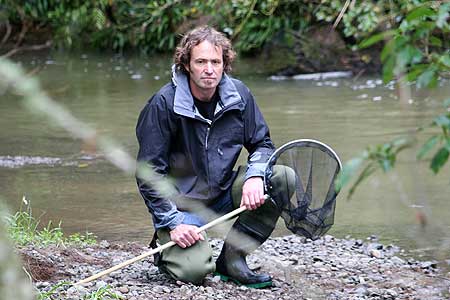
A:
[87,193]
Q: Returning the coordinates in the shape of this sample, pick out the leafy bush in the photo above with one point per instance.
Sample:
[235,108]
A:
[418,47]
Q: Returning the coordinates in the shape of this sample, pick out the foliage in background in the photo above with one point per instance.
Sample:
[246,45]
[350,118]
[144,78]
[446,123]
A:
[24,229]
[441,140]
[416,50]
[156,25]
[418,47]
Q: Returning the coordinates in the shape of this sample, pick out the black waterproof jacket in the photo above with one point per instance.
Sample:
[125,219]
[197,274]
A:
[199,154]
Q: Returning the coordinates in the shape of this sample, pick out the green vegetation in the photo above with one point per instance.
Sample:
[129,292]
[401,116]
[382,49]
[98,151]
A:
[156,25]
[418,48]
[102,293]
[416,51]
[24,229]
[51,293]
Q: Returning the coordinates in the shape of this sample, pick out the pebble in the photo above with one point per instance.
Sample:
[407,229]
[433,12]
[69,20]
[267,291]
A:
[100,284]
[376,253]
[397,260]
[104,244]
[328,268]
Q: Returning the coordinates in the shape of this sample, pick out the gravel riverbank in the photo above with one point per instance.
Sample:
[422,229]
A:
[328,268]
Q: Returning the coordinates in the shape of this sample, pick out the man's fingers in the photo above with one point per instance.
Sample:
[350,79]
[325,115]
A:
[180,242]
[262,197]
[252,201]
[249,202]
[189,238]
[243,201]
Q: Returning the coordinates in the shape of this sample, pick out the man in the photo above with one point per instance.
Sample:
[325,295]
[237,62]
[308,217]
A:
[193,130]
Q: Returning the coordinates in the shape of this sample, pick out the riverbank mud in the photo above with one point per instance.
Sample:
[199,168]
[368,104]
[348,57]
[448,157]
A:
[328,268]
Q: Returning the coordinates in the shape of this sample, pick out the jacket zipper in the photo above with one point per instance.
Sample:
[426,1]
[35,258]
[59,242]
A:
[207,136]
[206,152]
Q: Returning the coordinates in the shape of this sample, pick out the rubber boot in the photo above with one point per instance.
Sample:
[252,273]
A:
[252,228]
[231,263]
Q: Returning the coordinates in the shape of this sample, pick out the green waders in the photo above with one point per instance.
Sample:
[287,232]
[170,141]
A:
[249,231]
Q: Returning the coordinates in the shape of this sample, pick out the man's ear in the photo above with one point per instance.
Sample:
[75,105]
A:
[186,67]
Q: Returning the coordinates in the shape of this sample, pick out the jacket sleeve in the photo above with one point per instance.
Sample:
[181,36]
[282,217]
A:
[257,138]
[153,132]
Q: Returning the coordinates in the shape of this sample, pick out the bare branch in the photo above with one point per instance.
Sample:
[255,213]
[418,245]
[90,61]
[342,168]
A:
[341,14]
[27,48]
[22,33]
[7,33]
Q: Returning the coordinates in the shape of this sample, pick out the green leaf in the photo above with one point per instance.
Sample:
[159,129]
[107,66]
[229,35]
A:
[387,51]
[388,69]
[376,38]
[402,143]
[435,41]
[427,79]
[416,70]
[445,60]
[442,121]
[408,55]
[429,144]
[386,165]
[443,15]
[421,33]
[439,160]
[420,12]
[347,172]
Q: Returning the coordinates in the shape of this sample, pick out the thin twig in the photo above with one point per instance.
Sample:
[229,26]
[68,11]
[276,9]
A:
[28,274]
[27,48]
[23,30]
[241,25]
[35,71]
[7,33]
[341,14]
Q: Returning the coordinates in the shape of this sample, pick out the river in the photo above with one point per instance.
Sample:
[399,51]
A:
[87,193]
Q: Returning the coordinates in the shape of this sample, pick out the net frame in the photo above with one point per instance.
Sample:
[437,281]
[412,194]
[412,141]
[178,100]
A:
[300,217]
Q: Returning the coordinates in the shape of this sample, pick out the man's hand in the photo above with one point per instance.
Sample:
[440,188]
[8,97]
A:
[185,235]
[253,193]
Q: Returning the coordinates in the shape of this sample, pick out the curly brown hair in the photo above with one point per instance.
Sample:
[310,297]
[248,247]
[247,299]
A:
[194,37]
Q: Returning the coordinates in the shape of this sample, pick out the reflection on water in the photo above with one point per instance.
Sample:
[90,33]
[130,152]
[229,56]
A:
[108,93]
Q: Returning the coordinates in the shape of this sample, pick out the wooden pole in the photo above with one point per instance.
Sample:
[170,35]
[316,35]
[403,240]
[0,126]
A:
[162,247]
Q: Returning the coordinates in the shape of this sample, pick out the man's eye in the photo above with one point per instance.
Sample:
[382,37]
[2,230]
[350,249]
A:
[201,62]
[216,62]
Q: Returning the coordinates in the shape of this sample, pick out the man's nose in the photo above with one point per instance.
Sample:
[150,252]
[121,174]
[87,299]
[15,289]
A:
[209,67]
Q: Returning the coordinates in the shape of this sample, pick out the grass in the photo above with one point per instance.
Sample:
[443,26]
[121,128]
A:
[102,293]
[24,229]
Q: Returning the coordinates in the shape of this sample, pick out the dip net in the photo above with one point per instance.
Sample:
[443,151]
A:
[309,211]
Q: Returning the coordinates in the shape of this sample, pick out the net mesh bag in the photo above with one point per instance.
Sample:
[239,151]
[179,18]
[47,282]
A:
[308,208]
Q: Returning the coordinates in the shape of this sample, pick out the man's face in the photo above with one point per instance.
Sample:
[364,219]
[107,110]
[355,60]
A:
[205,69]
